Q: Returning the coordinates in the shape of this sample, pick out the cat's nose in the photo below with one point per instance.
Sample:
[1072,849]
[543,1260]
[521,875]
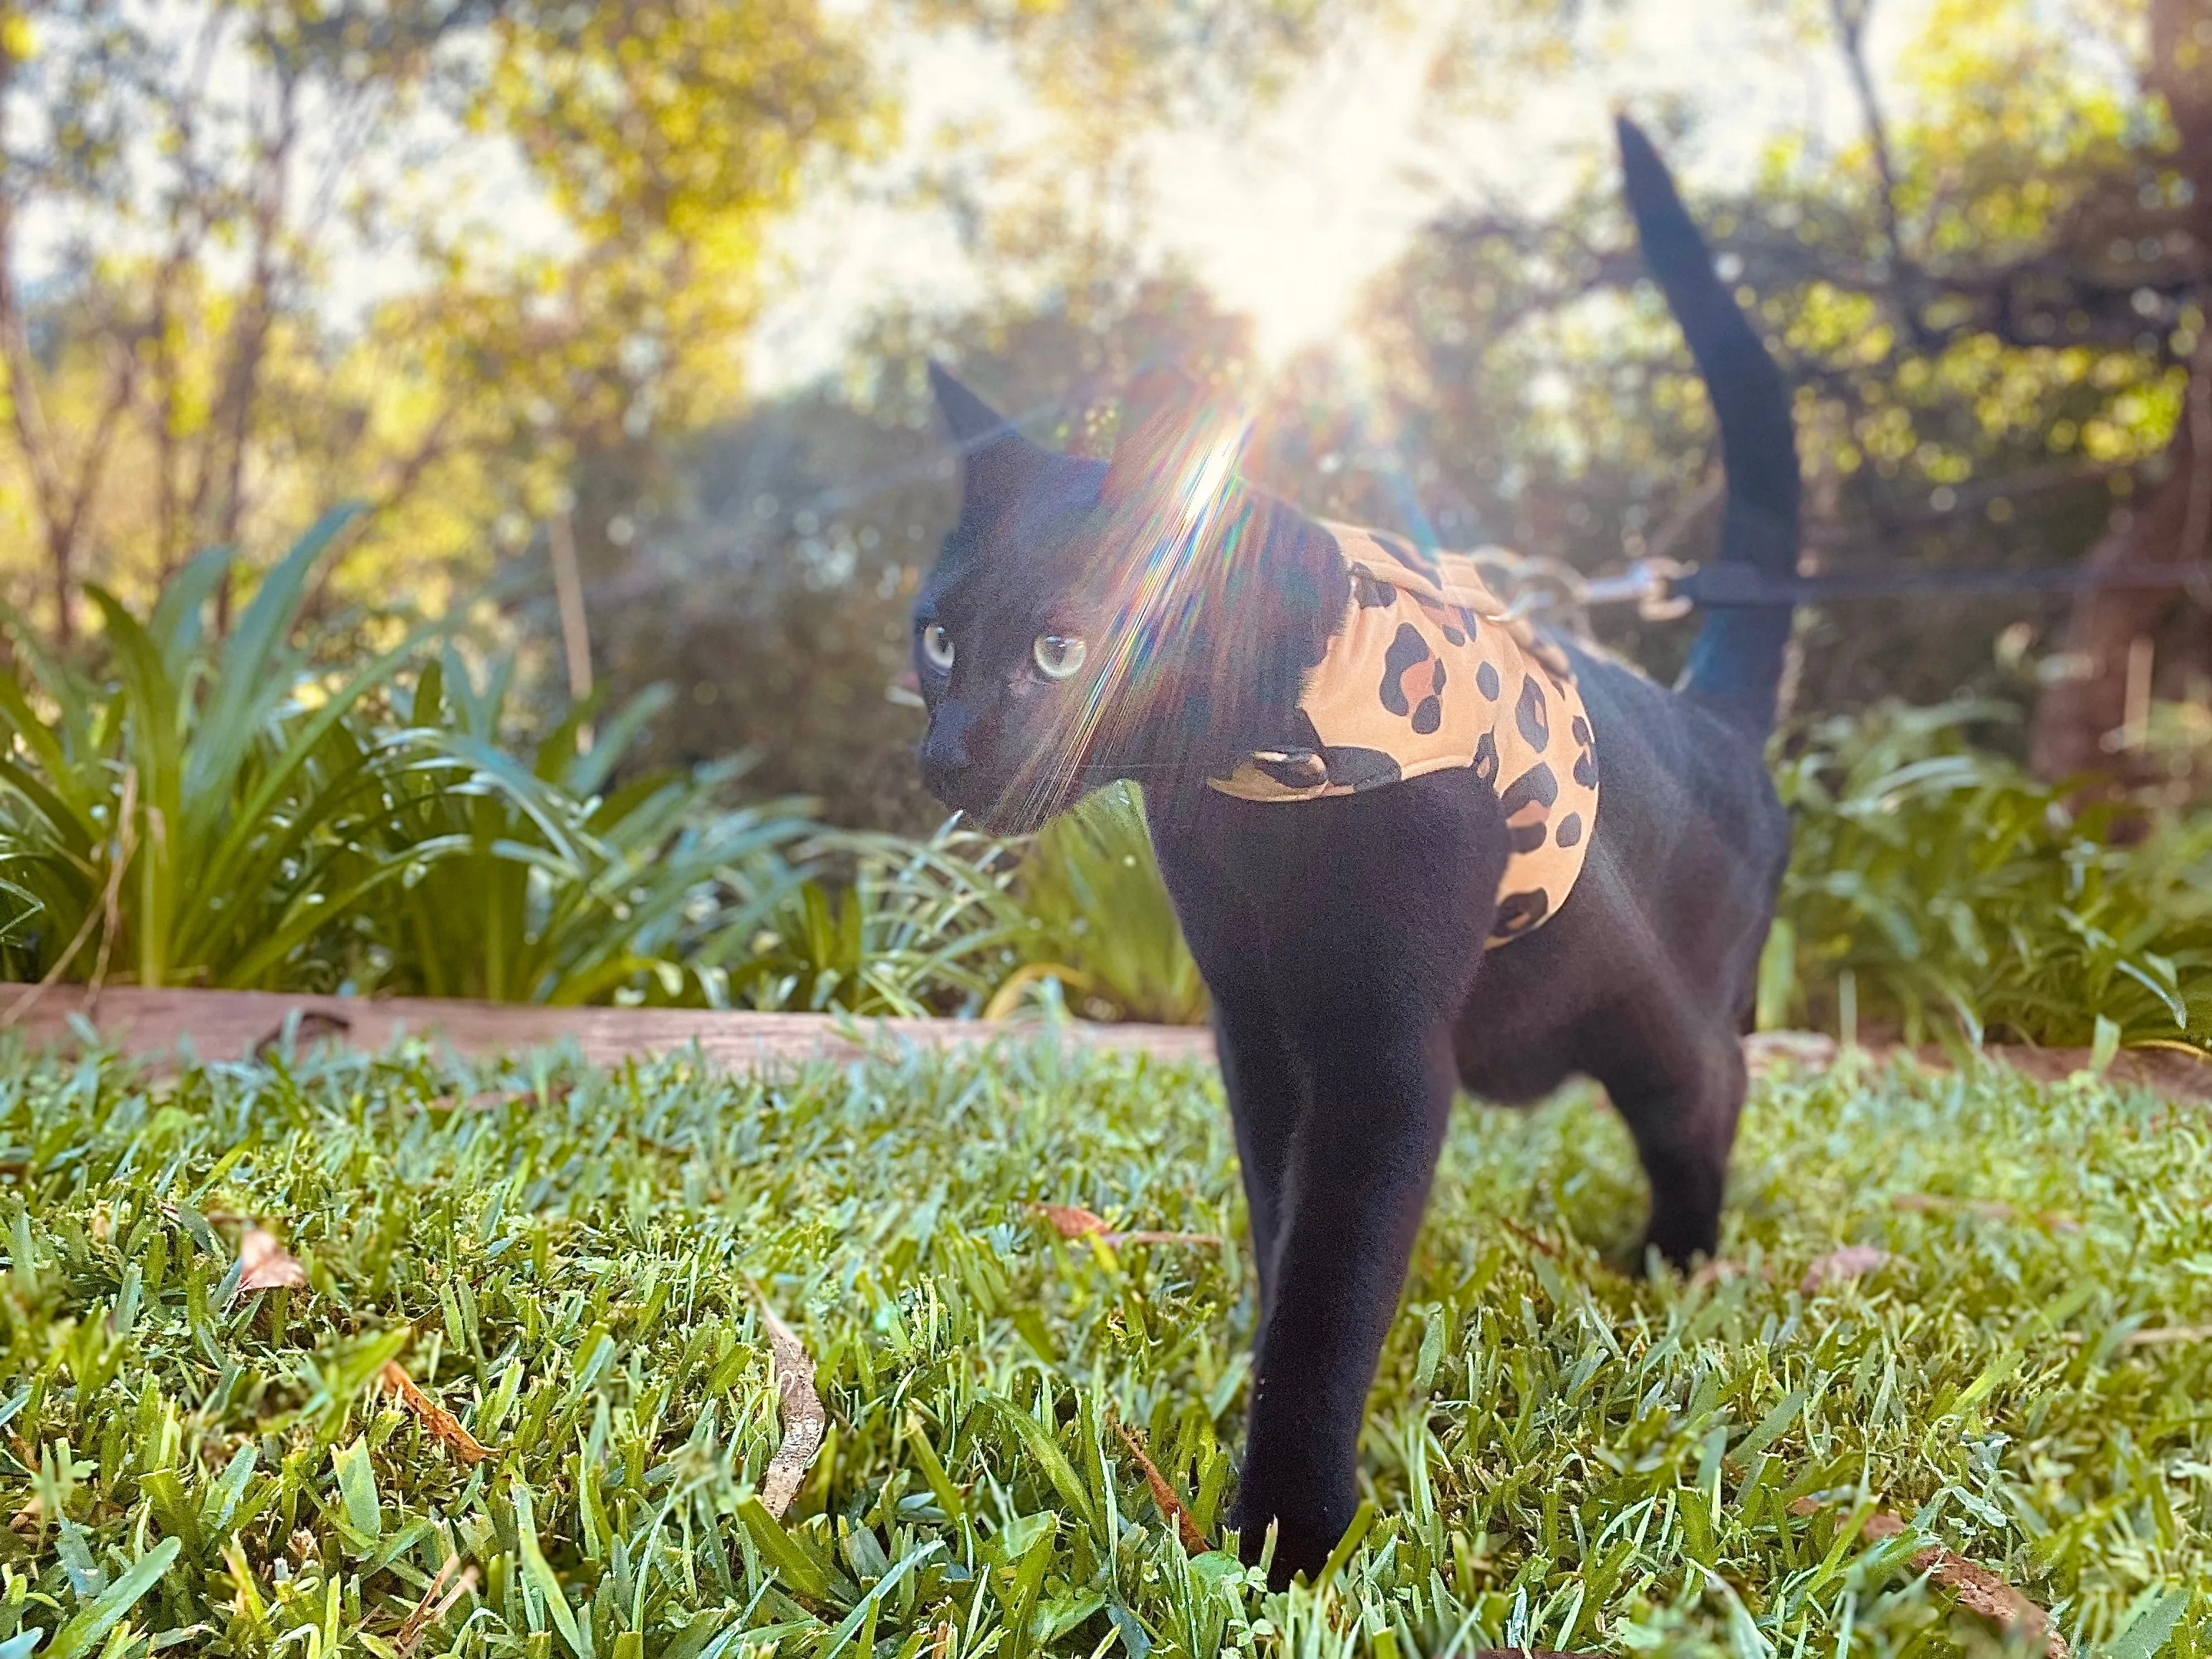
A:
[945,757]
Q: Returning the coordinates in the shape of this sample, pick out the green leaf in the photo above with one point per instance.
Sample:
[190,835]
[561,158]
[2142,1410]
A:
[2149,1631]
[1048,1454]
[88,1627]
[548,1584]
[782,1550]
[357,1487]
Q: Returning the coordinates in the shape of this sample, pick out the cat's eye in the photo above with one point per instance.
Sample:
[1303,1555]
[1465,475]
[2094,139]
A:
[937,646]
[1058,656]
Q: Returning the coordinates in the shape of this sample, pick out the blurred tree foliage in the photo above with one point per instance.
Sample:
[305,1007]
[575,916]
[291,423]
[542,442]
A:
[1989,307]
[460,258]
[770,582]
[195,196]
[260,283]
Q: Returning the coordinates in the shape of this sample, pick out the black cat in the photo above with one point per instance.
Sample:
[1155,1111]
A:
[1156,619]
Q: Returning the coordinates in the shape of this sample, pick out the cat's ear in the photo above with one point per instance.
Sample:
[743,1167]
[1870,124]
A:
[995,458]
[972,422]
[1170,423]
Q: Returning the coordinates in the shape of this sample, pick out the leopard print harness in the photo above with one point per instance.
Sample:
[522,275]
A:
[1429,672]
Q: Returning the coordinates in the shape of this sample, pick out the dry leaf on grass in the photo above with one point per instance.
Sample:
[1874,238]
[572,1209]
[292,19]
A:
[1071,1222]
[1533,1239]
[1978,1590]
[269,1267]
[1170,1506]
[435,1606]
[804,1422]
[1988,1209]
[2152,1336]
[1852,1262]
[443,1425]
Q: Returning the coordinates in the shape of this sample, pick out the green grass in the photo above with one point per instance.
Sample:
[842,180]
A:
[1560,1457]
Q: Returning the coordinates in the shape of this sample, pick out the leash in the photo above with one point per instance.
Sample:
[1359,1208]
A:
[1661,589]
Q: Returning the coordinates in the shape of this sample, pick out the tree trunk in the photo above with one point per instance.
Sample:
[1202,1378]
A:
[2079,717]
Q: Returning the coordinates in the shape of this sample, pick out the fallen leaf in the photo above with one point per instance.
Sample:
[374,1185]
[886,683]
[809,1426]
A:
[2153,1336]
[804,1422]
[431,1608]
[443,1425]
[1171,1507]
[1852,1262]
[1071,1222]
[1978,1590]
[269,1267]
[31,1519]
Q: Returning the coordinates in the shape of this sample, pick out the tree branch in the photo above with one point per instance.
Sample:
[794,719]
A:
[1851,17]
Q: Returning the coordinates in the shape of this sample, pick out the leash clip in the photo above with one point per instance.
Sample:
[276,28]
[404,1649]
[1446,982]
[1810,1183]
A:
[1650,584]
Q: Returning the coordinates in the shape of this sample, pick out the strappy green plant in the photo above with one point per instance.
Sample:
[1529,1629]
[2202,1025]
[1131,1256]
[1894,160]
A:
[1106,929]
[199,813]
[559,884]
[920,927]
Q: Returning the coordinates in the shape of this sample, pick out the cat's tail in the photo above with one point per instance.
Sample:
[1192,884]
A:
[1736,660]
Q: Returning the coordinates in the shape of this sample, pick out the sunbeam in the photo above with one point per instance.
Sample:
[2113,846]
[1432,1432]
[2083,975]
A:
[1170,528]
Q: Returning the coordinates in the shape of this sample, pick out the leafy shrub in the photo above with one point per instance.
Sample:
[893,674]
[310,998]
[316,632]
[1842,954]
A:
[1938,889]
[222,816]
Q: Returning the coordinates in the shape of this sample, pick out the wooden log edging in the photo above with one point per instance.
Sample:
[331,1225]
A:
[230,1025]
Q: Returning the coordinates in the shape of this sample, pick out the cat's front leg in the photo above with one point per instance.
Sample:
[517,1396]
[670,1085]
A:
[1358,1177]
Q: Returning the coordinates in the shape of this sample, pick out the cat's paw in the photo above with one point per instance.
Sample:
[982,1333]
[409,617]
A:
[1304,1539]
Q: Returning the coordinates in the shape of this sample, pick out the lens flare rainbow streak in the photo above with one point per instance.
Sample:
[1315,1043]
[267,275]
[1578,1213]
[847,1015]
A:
[1180,523]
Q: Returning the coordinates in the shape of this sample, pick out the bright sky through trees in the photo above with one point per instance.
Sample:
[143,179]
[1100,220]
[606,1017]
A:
[1287,218]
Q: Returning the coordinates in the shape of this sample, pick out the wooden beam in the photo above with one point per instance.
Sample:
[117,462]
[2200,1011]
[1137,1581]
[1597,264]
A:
[234,1024]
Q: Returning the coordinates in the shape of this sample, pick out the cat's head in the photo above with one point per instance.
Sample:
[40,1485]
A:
[1088,621]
